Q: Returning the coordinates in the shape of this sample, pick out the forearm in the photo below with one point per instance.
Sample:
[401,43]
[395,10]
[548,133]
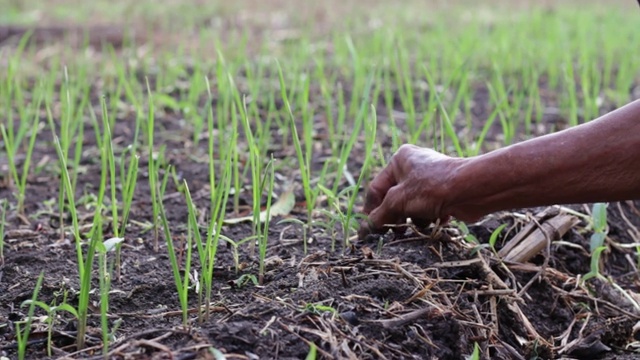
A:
[593,162]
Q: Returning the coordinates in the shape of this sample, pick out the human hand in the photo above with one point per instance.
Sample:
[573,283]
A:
[417,183]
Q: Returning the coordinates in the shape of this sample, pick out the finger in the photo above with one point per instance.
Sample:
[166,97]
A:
[390,211]
[367,228]
[364,230]
[378,189]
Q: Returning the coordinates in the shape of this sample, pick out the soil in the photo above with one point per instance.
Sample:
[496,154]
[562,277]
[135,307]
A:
[412,294]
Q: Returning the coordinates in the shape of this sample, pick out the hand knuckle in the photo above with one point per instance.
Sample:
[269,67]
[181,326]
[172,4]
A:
[403,149]
[403,152]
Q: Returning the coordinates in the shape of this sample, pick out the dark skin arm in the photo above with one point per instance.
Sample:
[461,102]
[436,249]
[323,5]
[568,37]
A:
[594,162]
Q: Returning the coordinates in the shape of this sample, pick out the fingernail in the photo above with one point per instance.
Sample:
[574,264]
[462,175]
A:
[370,224]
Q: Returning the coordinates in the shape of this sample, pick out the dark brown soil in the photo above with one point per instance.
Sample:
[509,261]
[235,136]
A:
[407,296]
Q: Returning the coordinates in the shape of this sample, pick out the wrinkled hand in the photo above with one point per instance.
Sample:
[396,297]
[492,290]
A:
[416,184]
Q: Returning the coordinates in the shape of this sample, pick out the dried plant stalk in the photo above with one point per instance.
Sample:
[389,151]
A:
[523,248]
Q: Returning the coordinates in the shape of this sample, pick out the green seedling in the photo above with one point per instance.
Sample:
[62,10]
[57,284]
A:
[595,265]
[190,105]
[572,97]
[598,225]
[327,97]
[263,135]
[219,192]
[590,83]
[507,115]
[476,352]
[50,320]
[3,216]
[335,213]
[181,280]
[194,232]
[263,239]
[127,187]
[11,91]
[226,109]
[488,123]
[359,70]
[597,246]
[534,105]
[86,271]
[217,354]
[405,85]
[235,248]
[466,234]
[370,136]
[303,226]
[472,239]
[313,352]
[255,166]
[21,180]
[152,169]
[494,236]
[350,139]
[84,261]
[244,280]
[105,286]
[341,211]
[388,96]
[22,334]
[72,112]
[304,155]
[70,127]
[68,190]
[258,182]
[446,125]
[207,250]
[318,309]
